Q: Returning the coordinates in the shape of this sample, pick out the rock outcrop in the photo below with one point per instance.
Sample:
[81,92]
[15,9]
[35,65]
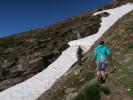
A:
[25,54]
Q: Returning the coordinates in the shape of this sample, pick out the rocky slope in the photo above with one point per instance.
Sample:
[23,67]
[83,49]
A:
[24,55]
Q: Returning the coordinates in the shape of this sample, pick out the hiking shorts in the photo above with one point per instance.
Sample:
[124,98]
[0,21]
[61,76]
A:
[101,65]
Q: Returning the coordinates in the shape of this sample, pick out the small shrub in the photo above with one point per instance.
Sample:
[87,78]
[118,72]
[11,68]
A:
[130,46]
[130,91]
[87,61]
[92,93]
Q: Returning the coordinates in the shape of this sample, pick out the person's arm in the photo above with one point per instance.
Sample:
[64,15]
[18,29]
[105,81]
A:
[108,51]
[82,52]
[83,49]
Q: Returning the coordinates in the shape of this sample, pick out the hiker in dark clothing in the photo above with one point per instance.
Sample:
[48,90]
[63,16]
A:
[79,55]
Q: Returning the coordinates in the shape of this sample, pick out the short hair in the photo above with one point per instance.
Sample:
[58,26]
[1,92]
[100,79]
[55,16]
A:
[101,42]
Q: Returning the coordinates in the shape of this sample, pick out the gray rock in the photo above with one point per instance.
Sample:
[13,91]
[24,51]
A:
[7,64]
[24,60]
[34,60]
[20,67]
[82,80]
[70,90]
[31,40]
[105,14]
[56,51]
[126,60]
[10,49]
[70,96]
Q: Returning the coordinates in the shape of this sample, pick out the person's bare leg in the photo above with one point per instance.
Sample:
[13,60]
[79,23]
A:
[98,74]
[103,74]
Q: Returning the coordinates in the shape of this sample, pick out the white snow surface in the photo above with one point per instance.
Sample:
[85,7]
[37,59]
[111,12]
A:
[32,88]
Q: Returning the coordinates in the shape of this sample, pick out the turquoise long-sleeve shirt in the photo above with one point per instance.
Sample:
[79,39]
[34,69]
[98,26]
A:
[101,52]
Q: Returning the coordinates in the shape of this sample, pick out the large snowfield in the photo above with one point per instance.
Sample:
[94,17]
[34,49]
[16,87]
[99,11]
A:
[32,88]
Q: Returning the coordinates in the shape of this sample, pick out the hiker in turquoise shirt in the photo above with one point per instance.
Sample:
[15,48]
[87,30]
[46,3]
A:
[100,55]
[101,52]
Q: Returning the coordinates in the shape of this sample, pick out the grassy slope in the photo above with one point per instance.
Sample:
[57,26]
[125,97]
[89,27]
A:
[119,85]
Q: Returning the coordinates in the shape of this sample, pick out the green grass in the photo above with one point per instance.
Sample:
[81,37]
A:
[130,91]
[92,93]
[89,76]
[87,61]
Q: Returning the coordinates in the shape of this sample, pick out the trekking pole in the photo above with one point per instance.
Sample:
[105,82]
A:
[92,61]
[111,63]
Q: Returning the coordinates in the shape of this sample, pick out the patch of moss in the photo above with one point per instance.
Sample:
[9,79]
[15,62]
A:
[130,91]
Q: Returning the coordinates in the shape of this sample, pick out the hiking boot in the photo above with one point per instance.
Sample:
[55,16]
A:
[100,80]
[104,77]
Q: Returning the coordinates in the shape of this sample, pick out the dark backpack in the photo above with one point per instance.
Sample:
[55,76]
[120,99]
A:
[79,51]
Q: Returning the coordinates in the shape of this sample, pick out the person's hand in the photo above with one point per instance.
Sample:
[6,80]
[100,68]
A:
[110,49]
